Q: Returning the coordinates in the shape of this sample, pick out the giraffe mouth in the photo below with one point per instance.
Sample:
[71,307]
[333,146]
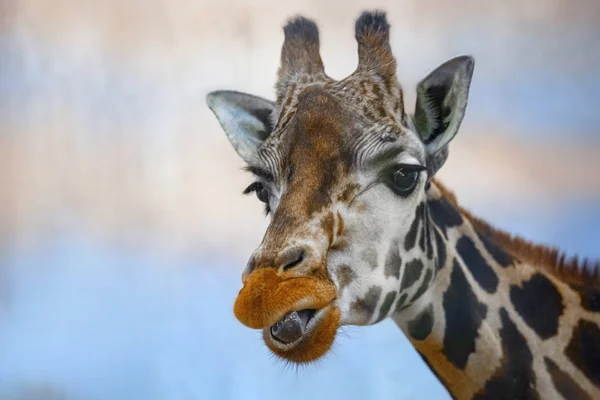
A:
[292,326]
[303,336]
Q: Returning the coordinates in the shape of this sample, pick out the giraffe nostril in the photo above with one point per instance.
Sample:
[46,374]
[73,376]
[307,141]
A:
[292,258]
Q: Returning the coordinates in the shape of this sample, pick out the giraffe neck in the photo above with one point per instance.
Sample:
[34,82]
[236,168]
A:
[493,325]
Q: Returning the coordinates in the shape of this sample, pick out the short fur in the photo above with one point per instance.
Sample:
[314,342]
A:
[569,269]
[493,316]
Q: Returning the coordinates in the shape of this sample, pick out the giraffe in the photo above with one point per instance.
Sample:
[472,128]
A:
[360,230]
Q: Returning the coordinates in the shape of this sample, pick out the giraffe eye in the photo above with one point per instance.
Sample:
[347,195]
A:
[261,191]
[403,179]
[263,195]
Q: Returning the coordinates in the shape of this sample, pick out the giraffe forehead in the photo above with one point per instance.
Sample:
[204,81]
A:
[317,152]
[369,96]
[323,126]
[313,153]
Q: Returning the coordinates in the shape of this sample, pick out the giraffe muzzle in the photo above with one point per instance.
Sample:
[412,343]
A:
[297,314]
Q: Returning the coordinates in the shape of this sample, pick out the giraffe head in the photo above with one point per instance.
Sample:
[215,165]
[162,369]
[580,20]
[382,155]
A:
[342,170]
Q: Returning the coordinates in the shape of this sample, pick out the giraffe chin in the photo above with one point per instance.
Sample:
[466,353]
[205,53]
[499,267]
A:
[314,343]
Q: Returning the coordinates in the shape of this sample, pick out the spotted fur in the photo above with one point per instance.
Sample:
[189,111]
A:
[492,315]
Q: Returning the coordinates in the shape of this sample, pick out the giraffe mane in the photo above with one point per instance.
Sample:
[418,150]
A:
[571,270]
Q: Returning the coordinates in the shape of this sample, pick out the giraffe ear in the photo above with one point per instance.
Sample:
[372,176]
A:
[246,119]
[441,102]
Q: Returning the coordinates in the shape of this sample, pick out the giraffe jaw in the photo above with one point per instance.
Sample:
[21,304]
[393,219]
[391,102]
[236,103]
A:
[314,342]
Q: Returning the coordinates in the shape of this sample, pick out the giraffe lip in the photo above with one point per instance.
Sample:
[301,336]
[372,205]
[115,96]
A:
[292,326]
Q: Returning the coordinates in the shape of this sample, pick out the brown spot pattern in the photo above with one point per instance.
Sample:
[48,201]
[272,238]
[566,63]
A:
[345,276]
[564,384]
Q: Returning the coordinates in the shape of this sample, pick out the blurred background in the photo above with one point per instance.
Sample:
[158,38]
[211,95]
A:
[123,232]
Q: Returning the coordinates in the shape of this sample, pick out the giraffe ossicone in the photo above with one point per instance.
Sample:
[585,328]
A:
[361,231]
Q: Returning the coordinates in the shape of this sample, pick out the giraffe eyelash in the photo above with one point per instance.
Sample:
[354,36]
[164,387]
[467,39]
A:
[257,187]
[253,187]
[409,167]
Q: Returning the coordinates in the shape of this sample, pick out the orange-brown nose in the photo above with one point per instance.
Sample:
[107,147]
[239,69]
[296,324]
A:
[289,258]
